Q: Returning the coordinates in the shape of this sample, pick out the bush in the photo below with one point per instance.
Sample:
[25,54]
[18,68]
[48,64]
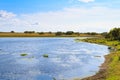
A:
[114,34]
[58,33]
[69,32]
[29,32]
[12,32]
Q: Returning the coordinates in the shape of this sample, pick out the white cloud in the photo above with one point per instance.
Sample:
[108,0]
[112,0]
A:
[86,1]
[97,19]
[5,14]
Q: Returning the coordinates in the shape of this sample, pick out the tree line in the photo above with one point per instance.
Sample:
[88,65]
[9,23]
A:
[59,33]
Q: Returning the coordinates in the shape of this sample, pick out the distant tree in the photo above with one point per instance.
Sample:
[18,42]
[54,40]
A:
[69,32]
[12,32]
[105,34]
[50,32]
[58,33]
[88,33]
[91,33]
[94,33]
[40,32]
[77,33]
[29,32]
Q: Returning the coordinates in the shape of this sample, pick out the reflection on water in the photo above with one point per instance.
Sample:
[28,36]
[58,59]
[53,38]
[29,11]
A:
[67,59]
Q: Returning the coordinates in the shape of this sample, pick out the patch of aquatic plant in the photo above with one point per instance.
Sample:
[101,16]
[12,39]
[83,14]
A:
[24,54]
[45,55]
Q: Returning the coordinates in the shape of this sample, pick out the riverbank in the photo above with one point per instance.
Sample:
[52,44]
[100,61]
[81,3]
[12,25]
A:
[46,34]
[110,69]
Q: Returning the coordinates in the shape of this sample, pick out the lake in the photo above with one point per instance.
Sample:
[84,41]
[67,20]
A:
[67,59]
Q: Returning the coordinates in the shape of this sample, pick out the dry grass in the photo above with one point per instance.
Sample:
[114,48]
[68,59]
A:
[8,34]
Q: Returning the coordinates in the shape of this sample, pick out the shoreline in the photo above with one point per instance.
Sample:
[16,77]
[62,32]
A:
[102,70]
[105,69]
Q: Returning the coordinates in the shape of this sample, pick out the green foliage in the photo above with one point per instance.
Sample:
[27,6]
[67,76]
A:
[50,32]
[69,32]
[114,34]
[40,32]
[29,32]
[104,34]
[91,33]
[12,32]
[58,33]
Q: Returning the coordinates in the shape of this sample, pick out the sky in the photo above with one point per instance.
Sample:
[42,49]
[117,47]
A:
[59,15]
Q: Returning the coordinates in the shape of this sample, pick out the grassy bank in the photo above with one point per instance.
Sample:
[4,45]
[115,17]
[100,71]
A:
[45,34]
[110,70]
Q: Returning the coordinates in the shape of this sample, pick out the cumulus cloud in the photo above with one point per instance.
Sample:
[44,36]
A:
[10,21]
[86,1]
[95,19]
[5,14]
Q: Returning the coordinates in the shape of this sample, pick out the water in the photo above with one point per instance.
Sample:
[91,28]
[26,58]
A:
[67,59]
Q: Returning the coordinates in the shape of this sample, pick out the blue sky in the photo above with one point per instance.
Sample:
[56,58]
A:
[32,6]
[59,15]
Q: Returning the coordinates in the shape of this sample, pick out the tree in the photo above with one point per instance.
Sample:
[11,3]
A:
[94,33]
[40,32]
[91,33]
[29,32]
[105,34]
[69,32]
[12,31]
[58,33]
[114,34]
[50,32]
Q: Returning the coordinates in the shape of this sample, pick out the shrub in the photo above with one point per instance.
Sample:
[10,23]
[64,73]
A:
[114,34]
[58,33]
[69,32]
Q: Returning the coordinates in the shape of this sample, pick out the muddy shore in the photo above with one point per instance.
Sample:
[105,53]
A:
[101,75]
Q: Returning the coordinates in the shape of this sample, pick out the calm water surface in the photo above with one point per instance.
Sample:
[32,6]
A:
[67,59]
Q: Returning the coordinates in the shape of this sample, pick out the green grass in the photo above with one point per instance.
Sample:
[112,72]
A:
[114,66]
[113,59]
